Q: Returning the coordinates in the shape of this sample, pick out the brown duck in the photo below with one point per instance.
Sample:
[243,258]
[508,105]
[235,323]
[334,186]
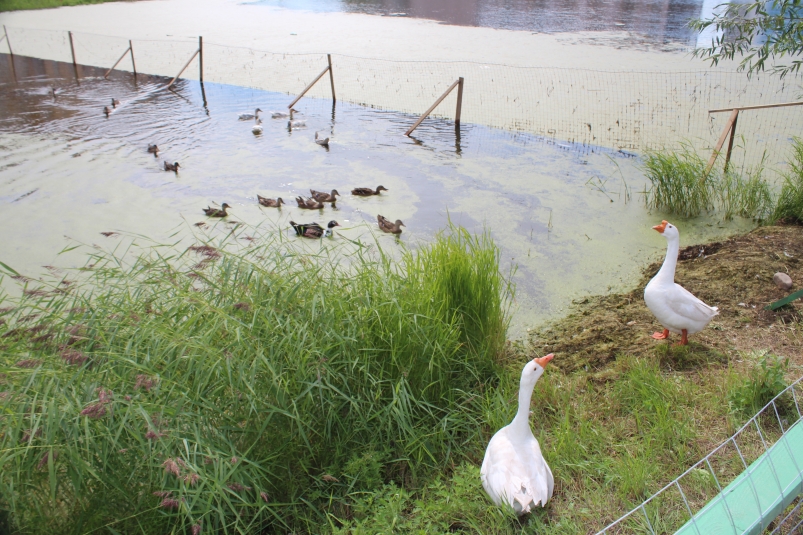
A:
[270,203]
[215,212]
[153,149]
[171,166]
[308,204]
[387,226]
[321,142]
[366,192]
[322,196]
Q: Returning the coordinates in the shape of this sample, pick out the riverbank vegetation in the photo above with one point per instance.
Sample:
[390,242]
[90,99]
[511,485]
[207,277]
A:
[327,387]
[18,5]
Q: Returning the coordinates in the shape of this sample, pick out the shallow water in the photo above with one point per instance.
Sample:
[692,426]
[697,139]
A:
[569,217]
[650,21]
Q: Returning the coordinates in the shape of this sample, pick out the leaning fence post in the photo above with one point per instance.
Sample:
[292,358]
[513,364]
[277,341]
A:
[118,61]
[72,50]
[331,77]
[201,57]
[8,42]
[131,49]
[730,142]
[424,115]
[720,142]
[312,83]
[182,69]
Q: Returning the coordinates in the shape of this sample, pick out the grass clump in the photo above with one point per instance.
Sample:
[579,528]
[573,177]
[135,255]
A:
[246,392]
[766,380]
[677,187]
[789,205]
[17,5]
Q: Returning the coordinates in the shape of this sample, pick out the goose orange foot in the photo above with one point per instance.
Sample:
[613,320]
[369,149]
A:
[684,338]
[661,336]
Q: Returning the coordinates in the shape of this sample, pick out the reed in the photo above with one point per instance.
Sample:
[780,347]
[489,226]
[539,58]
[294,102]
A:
[676,185]
[241,391]
[789,205]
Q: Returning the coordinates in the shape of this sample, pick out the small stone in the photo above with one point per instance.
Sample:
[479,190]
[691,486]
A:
[631,323]
[782,280]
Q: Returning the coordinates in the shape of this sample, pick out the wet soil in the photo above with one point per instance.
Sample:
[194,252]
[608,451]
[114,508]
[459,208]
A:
[734,275]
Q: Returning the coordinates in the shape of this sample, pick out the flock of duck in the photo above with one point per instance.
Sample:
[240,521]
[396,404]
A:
[317,199]
[514,472]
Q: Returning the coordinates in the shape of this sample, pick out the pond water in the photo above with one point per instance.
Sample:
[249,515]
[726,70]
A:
[569,217]
[656,22]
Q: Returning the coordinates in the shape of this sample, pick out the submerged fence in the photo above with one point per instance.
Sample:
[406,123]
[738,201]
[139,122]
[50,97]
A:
[626,110]
[743,486]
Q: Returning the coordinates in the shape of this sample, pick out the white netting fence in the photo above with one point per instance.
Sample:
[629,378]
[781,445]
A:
[622,110]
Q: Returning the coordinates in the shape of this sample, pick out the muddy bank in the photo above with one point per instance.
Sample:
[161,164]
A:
[735,275]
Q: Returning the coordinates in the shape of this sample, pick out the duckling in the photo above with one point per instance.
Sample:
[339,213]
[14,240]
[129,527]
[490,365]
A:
[257,128]
[270,203]
[153,149]
[366,192]
[249,116]
[314,230]
[171,166]
[215,212]
[106,111]
[321,142]
[308,204]
[296,124]
[387,226]
[322,196]
[115,103]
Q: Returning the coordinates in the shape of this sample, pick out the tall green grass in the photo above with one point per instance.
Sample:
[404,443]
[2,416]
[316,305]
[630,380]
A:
[679,185]
[789,206]
[234,392]
[15,5]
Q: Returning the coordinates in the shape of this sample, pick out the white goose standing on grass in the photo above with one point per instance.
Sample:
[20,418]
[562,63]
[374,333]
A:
[514,471]
[673,305]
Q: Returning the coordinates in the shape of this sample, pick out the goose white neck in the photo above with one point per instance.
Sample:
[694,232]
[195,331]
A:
[521,423]
[667,270]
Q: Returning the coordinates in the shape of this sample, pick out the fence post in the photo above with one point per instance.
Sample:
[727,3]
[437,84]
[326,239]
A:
[312,83]
[8,42]
[118,61]
[201,57]
[730,142]
[459,101]
[182,70]
[72,50]
[133,64]
[720,142]
[331,77]
[424,115]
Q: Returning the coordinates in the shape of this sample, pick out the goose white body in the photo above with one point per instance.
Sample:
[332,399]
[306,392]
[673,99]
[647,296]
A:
[514,471]
[675,307]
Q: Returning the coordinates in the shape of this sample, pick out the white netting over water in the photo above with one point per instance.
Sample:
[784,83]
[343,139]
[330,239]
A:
[624,110]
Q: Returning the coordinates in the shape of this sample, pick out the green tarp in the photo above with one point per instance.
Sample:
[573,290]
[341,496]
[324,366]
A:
[757,495]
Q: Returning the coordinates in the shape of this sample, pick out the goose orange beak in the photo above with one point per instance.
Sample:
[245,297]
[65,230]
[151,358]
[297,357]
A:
[660,228]
[543,361]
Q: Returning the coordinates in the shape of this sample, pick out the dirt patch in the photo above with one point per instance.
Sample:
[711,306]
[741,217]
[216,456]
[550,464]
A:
[734,275]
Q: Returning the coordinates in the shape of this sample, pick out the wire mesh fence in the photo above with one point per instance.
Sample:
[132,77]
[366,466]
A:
[740,486]
[625,110]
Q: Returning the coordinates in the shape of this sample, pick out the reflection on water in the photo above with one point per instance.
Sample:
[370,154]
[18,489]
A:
[569,217]
[657,21]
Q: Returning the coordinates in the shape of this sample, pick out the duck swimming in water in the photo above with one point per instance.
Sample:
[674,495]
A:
[270,203]
[115,103]
[215,212]
[153,149]
[322,196]
[386,226]
[321,142]
[172,166]
[249,116]
[366,192]
[257,128]
[314,230]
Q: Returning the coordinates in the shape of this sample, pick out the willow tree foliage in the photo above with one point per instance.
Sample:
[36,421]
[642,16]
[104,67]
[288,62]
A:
[766,35]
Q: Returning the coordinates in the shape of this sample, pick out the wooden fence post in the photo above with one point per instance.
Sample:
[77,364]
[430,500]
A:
[201,57]
[133,64]
[331,77]
[312,83]
[424,115]
[72,50]
[8,42]
[127,50]
[721,141]
[182,69]
[459,101]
